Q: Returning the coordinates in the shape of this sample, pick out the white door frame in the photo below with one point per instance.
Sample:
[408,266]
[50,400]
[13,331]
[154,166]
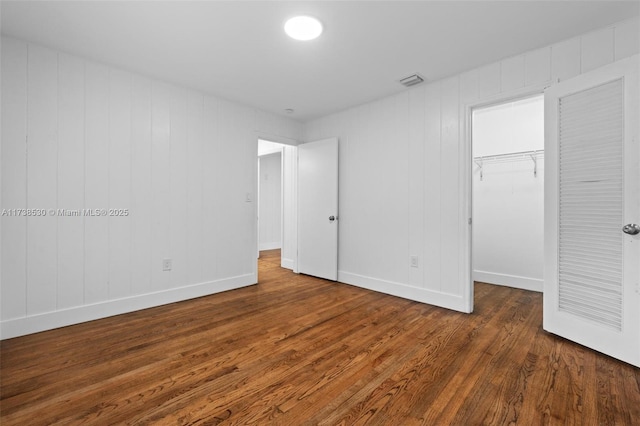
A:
[292,185]
[467,178]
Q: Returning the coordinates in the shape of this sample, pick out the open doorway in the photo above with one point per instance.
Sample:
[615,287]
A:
[269,199]
[508,193]
[277,203]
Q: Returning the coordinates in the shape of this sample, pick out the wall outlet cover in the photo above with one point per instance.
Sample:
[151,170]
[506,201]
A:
[166,264]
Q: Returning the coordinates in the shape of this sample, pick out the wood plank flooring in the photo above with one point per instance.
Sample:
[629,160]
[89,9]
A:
[296,350]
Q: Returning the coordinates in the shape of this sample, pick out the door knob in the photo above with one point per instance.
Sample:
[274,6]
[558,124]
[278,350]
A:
[332,218]
[631,229]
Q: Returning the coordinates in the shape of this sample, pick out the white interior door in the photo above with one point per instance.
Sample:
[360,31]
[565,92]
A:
[318,208]
[592,190]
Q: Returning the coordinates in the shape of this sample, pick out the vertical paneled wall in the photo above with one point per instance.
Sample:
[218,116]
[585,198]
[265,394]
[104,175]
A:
[13,269]
[171,166]
[404,174]
[41,188]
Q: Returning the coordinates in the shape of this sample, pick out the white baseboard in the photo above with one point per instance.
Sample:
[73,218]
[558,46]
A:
[269,246]
[432,297]
[50,320]
[287,263]
[506,280]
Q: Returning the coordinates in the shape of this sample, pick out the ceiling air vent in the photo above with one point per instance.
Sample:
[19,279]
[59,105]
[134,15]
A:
[411,80]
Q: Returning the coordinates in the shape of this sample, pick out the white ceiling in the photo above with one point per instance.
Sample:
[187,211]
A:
[238,50]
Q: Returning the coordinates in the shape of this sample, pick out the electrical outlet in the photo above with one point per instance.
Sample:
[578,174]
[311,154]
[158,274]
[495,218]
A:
[166,264]
[414,261]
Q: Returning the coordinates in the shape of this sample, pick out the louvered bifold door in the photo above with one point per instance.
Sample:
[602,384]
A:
[591,265]
[591,204]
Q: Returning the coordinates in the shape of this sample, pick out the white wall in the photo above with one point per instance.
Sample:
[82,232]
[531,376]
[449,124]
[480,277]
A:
[508,201]
[77,134]
[270,208]
[514,126]
[289,253]
[405,169]
[267,147]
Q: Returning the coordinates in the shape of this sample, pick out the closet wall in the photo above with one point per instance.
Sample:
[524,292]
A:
[508,193]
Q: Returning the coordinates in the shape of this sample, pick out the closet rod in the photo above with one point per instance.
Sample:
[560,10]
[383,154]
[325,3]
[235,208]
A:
[532,155]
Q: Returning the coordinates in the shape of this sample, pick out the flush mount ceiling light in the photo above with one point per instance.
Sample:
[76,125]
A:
[303,28]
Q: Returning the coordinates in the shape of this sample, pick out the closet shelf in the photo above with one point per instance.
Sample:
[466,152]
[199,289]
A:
[512,156]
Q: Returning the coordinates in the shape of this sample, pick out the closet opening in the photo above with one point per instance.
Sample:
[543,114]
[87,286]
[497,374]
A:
[507,141]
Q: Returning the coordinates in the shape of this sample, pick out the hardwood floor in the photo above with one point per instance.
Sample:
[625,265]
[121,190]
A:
[296,350]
